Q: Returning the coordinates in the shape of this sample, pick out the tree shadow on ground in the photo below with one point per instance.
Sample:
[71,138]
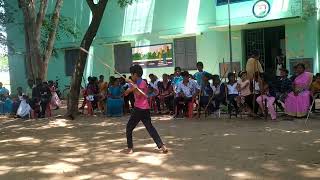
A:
[89,148]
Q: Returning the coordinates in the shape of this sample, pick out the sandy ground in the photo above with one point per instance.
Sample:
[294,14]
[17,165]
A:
[214,149]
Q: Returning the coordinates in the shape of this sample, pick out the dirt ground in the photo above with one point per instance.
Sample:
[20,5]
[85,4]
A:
[213,149]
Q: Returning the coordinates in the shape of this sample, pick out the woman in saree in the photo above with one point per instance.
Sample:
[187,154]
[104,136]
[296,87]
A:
[297,103]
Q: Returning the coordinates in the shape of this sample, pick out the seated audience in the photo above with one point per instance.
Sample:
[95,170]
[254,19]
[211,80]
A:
[85,93]
[41,95]
[206,93]
[103,87]
[154,81]
[283,88]
[177,79]
[55,102]
[115,100]
[93,92]
[166,93]
[297,103]
[219,92]
[256,82]
[186,91]
[315,90]
[3,90]
[17,100]
[244,91]
[315,86]
[232,93]
[5,101]
[266,99]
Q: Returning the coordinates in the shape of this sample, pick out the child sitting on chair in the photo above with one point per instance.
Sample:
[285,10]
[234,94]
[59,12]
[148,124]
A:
[265,99]
[232,92]
[245,93]
[206,93]
[219,93]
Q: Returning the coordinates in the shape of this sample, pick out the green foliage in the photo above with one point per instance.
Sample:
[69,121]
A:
[309,9]
[6,16]
[124,3]
[66,29]
[4,64]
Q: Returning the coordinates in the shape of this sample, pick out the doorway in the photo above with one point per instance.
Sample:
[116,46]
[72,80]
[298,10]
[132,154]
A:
[270,42]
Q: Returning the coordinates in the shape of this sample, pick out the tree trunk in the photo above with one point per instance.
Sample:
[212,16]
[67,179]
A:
[52,36]
[28,59]
[73,99]
[38,61]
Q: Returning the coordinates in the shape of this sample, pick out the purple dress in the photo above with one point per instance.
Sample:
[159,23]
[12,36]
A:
[298,106]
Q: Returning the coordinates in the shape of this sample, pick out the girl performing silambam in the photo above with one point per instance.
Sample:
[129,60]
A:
[141,110]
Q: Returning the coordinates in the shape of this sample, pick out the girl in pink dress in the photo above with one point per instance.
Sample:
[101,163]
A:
[266,97]
[297,103]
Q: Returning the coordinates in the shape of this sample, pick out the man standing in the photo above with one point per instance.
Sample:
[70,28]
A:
[253,65]
[199,75]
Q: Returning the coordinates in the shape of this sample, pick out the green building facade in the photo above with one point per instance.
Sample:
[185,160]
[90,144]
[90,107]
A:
[290,27]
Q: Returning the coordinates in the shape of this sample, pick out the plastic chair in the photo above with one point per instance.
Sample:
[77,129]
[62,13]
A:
[316,96]
[191,106]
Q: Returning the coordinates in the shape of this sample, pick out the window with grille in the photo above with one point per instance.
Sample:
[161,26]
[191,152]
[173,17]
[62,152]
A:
[70,58]
[123,57]
[185,53]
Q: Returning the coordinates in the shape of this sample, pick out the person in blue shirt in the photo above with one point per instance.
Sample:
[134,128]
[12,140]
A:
[186,90]
[199,75]
[3,90]
[177,77]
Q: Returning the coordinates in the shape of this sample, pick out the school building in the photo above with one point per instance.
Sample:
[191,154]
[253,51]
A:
[162,34]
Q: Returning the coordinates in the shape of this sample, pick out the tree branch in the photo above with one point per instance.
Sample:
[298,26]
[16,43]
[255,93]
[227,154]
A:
[91,5]
[53,31]
[41,14]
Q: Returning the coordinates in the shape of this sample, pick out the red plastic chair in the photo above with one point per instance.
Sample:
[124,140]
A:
[190,105]
[191,108]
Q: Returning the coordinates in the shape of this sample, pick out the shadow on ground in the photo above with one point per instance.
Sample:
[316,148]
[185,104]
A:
[89,148]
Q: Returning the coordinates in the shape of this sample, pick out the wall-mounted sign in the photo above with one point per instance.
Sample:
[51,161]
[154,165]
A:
[261,9]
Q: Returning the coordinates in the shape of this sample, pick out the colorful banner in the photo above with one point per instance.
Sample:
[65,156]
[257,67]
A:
[153,56]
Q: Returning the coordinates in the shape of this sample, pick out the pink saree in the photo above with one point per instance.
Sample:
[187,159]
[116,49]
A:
[298,106]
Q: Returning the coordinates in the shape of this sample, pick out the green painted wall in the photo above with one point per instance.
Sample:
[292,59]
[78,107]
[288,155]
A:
[302,44]
[242,12]
[146,24]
